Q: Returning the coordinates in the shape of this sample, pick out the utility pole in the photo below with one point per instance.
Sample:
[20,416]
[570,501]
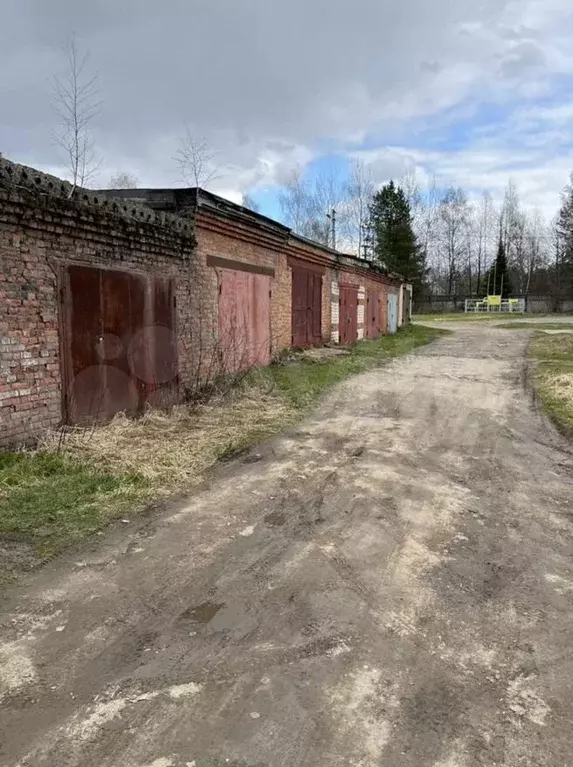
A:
[332,217]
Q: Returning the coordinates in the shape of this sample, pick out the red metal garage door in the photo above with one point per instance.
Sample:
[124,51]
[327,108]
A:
[372,314]
[119,343]
[244,320]
[348,314]
[306,308]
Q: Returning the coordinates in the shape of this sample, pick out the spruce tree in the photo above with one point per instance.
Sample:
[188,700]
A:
[498,281]
[394,241]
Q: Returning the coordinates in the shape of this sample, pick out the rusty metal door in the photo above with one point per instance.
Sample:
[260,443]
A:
[306,308]
[119,343]
[244,320]
[348,317]
[316,312]
[372,314]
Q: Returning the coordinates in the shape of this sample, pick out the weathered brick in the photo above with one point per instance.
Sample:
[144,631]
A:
[32,231]
[39,234]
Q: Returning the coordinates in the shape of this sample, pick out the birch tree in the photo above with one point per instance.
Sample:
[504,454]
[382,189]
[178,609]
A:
[484,232]
[360,190]
[536,237]
[123,180]
[77,102]
[197,159]
[297,205]
[453,215]
[248,202]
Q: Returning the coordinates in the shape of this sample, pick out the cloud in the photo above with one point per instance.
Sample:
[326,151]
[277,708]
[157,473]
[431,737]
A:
[276,85]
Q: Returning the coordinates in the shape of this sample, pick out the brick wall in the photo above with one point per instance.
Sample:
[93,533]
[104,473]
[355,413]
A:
[40,230]
[238,243]
[365,281]
[229,231]
[343,271]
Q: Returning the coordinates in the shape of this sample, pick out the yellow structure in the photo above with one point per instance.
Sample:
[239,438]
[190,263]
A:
[495,304]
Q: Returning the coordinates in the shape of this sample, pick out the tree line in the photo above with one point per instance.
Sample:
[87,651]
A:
[77,103]
[431,233]
[436,236]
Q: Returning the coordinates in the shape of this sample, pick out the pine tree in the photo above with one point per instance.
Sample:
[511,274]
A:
[498,281]
[394,241]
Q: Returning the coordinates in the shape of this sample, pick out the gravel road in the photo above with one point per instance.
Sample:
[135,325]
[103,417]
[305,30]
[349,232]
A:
[389,584]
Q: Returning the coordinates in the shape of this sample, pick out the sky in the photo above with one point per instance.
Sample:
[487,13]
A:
[475,91]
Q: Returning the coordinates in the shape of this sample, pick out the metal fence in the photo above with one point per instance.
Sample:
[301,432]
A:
[494,305]
[456,303]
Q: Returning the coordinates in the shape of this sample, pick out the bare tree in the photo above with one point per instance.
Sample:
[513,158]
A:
[122,180]
[197,159]
[77,101]
[297,204]
[248,202]
[360,190]
[513,227]
[537,236]
[328,193]
[425,205]
[454,221]
[307,208]
[484,234]
[411,186]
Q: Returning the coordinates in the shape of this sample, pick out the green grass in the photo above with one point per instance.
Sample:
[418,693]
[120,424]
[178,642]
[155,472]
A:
[536,326]
[552,356]
[51,500]
[301,383]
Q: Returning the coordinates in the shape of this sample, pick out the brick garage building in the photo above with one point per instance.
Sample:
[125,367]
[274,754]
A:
[114,299]
[49,246]
[232,237]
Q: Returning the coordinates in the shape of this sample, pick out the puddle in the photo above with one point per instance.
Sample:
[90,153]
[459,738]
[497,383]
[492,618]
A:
[203,613]
[275,518]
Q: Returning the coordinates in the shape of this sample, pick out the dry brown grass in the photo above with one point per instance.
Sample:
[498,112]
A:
[173,449]
[79,480]
[560,386]
[553,356]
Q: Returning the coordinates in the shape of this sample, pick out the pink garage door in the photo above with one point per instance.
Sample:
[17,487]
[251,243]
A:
[244,320]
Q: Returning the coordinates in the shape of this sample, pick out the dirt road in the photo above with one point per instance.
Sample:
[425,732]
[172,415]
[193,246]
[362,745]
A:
[391,584]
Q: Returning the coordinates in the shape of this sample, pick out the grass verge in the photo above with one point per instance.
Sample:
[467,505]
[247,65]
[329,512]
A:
[552,357]
[71,487]
[302,382]
[565,326]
